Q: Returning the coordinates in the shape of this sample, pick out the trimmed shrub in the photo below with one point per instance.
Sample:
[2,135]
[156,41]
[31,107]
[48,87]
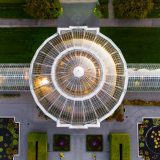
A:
[117,140]
[101,9]
[37,143]
[43,9]
[132,8]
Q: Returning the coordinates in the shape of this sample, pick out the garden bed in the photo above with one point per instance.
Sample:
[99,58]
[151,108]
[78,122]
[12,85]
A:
[149,138]
[101,9]
[61,142]
[94,143]
[9,138]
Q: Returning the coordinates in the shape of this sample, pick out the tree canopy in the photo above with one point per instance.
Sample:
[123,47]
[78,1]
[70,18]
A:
[43,9]
[132,8]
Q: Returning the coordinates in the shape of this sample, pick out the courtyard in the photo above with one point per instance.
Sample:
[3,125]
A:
[79,79]
[33,123]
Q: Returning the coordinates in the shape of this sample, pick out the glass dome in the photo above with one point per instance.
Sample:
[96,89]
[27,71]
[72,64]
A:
[78,77]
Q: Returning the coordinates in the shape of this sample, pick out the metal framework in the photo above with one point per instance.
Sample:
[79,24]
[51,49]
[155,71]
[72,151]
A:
[14,77]
[143,77]
[78,77]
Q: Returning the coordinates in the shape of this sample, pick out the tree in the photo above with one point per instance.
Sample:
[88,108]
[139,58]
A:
[132,8]
[43,9]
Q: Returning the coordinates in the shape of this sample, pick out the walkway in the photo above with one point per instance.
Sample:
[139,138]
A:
[27,23]
[152,22]
[110,10]
[79,19]
[78,14]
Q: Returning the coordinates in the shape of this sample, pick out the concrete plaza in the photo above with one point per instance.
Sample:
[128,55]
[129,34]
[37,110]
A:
[24,109]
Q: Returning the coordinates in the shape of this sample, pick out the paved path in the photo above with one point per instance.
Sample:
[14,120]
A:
[130,23]
[77,20]
[110,10]
[78,14]
[27,23]
[146,96]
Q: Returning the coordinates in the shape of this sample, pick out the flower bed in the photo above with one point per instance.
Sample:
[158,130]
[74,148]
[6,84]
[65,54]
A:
[61,142]
[94,143]
[149,138]
[9,138]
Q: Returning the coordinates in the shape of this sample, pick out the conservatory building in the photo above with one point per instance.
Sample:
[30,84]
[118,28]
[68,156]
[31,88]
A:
[78,77]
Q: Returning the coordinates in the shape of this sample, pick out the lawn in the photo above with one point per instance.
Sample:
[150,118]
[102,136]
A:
[12,1]
[13,11]
[138,45]
[18,45]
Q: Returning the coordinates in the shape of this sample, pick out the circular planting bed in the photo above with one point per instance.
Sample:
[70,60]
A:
[149,138]
[153,139]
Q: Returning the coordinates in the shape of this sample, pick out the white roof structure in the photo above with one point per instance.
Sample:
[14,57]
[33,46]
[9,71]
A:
[143,77]
[14,77]
[78,77]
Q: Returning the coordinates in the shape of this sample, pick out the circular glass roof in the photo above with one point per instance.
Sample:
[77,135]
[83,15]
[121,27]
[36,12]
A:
[78,77]
[77,73]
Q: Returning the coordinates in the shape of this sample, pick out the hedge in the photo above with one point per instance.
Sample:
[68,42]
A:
[117,139]
[132,8]
[37,139]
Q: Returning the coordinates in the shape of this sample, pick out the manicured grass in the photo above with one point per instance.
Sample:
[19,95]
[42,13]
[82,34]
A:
[138,45]
[119,146]
[18,45]
[13,11]
[37,144]
[12,1]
